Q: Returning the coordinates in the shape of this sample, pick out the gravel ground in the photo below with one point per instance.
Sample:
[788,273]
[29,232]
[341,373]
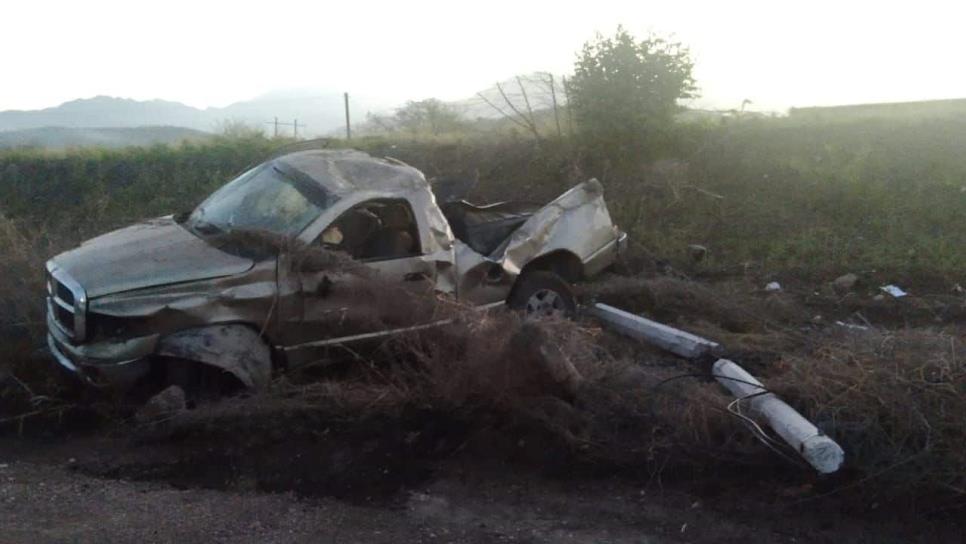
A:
[45,498]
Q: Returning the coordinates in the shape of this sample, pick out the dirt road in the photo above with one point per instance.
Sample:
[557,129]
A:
[49,494]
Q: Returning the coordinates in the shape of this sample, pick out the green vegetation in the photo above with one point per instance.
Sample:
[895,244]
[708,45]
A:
[773,196]
[868,196]
[894,111]
[74,194]
[625,92]
[428,117]
[113,137]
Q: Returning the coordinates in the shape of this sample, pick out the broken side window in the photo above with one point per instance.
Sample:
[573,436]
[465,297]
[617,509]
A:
[375,230]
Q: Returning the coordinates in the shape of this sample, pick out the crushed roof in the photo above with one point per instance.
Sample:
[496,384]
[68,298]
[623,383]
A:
[343,171]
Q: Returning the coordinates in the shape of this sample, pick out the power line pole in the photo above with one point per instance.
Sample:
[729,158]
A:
[556,114]
[294,124]
[348,126]
[570,108]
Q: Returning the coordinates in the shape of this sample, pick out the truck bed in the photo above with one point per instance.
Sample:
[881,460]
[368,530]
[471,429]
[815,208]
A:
[484,228]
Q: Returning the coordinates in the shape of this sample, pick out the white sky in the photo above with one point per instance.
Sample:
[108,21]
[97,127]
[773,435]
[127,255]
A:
[211,53]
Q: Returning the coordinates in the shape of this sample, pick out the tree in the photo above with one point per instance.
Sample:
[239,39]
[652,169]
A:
[430,116]
[525,99]
[624,93]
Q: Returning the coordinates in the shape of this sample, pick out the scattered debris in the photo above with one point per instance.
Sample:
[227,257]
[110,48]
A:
[845,283]
[697,252]
[851,326]
[773,287]
[893,290]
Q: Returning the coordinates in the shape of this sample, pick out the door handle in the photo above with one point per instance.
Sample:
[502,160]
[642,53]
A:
[416,276]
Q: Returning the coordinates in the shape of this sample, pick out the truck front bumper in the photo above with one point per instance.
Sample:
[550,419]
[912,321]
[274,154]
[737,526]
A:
[111,363]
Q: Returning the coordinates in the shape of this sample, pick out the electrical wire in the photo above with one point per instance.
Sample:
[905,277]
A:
[734,409]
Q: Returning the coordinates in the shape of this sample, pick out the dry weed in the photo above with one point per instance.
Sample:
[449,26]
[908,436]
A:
[896,400]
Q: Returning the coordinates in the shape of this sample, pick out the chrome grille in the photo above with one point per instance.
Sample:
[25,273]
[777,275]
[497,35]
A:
[66,303]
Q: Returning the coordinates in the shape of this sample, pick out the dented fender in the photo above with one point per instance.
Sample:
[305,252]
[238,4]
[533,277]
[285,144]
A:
[234,348]
[577,222]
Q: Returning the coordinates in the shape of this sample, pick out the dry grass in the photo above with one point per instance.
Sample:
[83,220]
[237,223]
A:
[22,270]
[615,411]
[550,379]
[896,400]
[21,312]
[735,306]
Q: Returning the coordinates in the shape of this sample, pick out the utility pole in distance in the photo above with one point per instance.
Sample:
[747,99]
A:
[556,114]
[348,127]
[294,124]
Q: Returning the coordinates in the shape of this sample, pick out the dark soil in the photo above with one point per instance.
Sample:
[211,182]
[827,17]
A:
[379,484]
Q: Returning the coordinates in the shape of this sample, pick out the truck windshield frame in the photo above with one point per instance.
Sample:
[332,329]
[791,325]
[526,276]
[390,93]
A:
[269,198]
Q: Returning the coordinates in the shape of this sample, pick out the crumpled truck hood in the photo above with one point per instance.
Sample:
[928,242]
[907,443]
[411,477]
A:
[148,254]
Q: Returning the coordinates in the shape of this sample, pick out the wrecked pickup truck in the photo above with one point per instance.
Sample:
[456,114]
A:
[170,296]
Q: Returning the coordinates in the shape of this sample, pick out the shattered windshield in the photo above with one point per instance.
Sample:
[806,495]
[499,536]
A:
[266,198]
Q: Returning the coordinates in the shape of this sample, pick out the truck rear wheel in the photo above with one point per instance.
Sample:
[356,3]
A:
[541,294]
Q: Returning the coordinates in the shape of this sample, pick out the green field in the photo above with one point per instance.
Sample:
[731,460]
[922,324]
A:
[771,199]
[776,196]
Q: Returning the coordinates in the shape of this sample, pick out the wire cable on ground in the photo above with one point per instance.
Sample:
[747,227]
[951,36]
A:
[734,410]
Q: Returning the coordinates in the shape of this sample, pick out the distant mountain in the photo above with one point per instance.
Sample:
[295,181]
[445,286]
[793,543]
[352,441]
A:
[105,111]
[65,137]
[317,112]
[91,121]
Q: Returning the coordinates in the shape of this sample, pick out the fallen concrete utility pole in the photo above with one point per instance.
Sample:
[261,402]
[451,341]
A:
[819,450]
[681,343]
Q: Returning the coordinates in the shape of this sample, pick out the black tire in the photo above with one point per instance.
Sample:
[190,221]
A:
[543,294]
[201,383]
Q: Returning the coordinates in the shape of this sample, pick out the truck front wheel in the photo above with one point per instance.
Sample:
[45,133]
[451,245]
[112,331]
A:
[541,294]
[200,382]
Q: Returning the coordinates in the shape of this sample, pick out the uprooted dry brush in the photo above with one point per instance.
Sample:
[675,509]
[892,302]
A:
[552,378]
[896,400]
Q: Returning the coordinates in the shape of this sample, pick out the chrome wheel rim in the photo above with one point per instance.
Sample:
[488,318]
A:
[546,303]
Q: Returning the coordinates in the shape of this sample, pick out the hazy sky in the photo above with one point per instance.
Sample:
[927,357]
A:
[208,53]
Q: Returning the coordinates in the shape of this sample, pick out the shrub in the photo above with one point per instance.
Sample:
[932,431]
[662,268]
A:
[624,93]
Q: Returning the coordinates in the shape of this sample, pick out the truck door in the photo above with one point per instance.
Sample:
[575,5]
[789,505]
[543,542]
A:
[372,276]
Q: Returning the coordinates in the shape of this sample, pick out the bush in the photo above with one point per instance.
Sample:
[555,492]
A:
[624,94]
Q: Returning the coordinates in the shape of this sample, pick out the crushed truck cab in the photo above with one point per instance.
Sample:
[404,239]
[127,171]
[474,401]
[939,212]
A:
[227,285]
